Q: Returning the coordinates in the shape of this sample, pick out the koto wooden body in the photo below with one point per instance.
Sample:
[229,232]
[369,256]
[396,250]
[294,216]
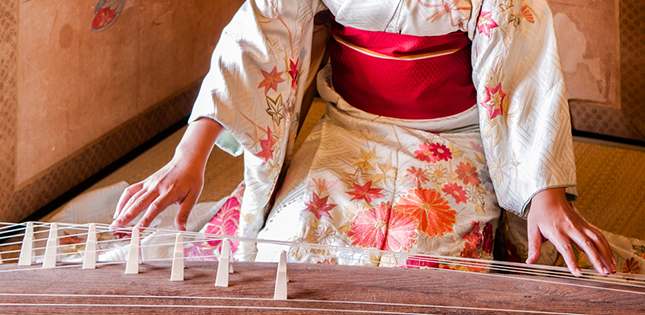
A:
[312,288]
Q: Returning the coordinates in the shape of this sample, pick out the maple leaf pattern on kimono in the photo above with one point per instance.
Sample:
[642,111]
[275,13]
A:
[365,192]
[319,206]
[267,147]
[271,80]
[275,107]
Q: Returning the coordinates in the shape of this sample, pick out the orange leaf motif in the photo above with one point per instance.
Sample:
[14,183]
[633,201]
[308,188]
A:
[527,14]
[271,80]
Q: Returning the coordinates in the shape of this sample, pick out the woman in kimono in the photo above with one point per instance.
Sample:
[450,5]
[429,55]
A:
[440,113]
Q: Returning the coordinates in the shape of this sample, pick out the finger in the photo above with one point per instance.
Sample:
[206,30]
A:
[184,210]
[131,201]
[535,243]
[588,246]
[156,207]
[125,197]
[603,248]
[135,208]
[563,246]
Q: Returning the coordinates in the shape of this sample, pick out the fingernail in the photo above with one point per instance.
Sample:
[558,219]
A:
[613,259]
[605,270]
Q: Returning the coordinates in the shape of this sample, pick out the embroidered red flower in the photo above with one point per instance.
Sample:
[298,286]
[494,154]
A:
[417,175]
[424,154]
[474,236]
[432,213]
[369,227]
[293,72]
[319,206]
[486,23]
[631,266]
[267,147]
[493,100]
[440,151]
[468,174]
[456,191]
[401,234]
[365,192]
[271,80]
[469,251]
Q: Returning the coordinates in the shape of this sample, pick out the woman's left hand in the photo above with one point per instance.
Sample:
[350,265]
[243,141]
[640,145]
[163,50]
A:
[552,218]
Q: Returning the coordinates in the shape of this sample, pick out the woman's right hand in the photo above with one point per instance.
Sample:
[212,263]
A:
[178,182]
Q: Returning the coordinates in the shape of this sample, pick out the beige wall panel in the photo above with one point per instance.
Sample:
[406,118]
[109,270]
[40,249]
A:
[587,32]
[93,82]
[72,101]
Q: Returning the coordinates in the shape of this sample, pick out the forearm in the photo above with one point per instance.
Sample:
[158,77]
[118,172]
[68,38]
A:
[198,141]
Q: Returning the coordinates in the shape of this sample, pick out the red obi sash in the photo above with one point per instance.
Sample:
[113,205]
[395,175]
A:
[402,76]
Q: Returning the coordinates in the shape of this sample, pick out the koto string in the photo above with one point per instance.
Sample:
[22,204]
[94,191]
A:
[499,266]
[267,300]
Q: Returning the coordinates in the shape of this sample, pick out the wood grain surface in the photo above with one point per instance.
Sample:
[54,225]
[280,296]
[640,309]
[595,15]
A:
[317,289]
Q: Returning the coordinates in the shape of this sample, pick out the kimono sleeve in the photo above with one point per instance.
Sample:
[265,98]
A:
[523,109]
[252,89]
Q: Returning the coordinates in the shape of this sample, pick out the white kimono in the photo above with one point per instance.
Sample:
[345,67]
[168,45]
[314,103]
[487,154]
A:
[255,88]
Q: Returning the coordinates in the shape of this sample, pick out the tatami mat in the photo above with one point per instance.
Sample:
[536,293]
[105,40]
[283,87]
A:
[611,181]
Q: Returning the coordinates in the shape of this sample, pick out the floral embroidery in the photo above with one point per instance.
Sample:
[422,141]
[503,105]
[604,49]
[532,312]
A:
[456,191]
[400,233]
[474,236]
[267,147]
[433,213]
[493,100]
[439,174]
[486,23]
[271,80]
[470,251]
[631,266]
[440,151]
[424,153]
[323,234]
[319,206]
[467,174]
[225,222]
[365,192]
[369,227]
[417,176]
